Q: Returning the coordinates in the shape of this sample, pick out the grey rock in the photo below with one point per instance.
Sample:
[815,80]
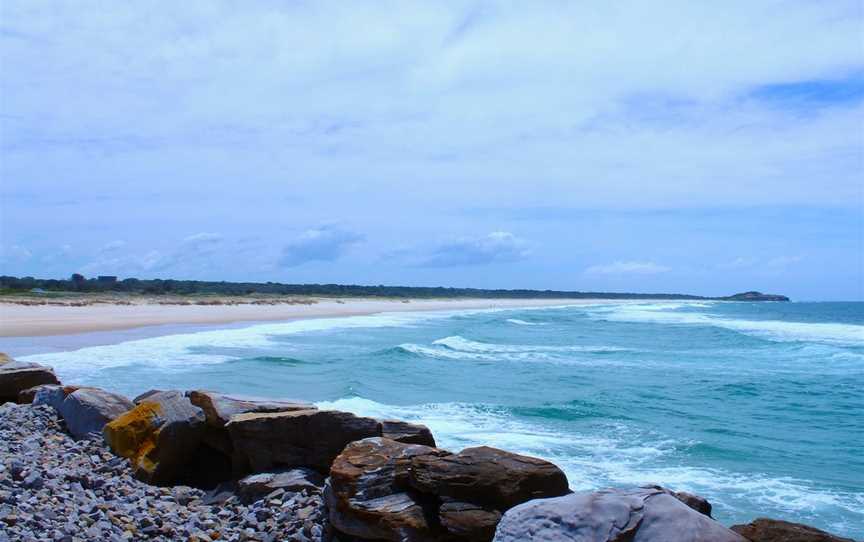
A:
[255,486]
[636,515]
[87,410]
[408,433]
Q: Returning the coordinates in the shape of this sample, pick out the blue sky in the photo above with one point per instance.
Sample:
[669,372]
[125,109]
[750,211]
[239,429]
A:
[682,146]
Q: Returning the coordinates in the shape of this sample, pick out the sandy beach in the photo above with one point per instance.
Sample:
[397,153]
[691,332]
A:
[44,320]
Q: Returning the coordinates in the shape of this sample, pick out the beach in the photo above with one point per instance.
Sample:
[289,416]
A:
[19,320]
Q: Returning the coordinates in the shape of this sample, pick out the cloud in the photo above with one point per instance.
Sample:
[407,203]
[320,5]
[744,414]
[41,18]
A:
[496,247]
[325,243]
[627,268]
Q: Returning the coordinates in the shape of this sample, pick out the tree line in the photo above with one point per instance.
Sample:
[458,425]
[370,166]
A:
[79,283]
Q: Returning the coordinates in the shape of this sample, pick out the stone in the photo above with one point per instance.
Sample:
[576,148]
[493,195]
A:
[775,530]
[159,436]
[695,502]
[488,476]
[611,515]
[409,433]
[256,486]
[145,395]
[218,410]
[52,395]
[469,521]
[369,496]
[87,410]
[5,358]
[301,438]
[17,376]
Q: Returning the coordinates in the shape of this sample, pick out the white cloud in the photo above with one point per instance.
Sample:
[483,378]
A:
[496,247]
[324,243]
[627,268]
[16,253]
[112,247]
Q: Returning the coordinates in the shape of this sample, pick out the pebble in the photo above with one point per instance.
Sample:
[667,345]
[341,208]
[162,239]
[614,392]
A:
[53,488]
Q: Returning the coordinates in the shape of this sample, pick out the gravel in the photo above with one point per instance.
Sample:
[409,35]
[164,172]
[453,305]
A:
[55,488]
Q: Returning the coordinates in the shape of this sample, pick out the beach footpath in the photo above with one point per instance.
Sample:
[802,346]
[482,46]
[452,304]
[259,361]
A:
[79,463]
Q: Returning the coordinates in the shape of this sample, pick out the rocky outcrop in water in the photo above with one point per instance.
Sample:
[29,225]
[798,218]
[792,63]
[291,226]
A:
[774,530]
[387,490]
[636,515]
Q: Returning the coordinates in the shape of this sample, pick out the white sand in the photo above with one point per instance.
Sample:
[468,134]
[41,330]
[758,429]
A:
[41,320]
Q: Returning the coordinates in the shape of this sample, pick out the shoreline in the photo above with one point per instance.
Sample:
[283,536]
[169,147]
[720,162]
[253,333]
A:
[53,320]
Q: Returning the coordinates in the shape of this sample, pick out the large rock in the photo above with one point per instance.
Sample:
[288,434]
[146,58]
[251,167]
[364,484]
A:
[488,476]
[637,515]
[369,495]
[52,395]
[302,438]
[5,358]
[469,521]
[218,410]
[409,433]
[87,410]
[16,376]
[700,504]
[775,530]
[160,437]
[256,486]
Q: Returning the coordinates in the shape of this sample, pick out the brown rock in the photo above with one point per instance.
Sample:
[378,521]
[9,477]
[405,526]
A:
[488,476]
[219,408]
[160,436]
[17,376]
[409,433]
[301,438]
[369,496]
[5,358]
[469,521]
[775,530]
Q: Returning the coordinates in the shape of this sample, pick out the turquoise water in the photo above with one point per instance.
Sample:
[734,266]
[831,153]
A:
[757,407]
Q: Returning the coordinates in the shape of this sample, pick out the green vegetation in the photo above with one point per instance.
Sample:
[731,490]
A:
[79,284]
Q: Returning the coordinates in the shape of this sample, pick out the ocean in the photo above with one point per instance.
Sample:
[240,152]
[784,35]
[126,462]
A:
[756,406]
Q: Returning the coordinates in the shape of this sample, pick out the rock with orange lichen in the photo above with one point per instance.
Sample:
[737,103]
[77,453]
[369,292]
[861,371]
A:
[161,437]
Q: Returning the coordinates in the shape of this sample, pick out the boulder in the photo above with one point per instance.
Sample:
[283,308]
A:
[775,530]
[5,358]
[612,515]
[17,376]
[695,502]
[87,410]
[369,496]
[409,433]
[160,437]
[145,395]
[469,521]
[300,438]
[52,395]
[218,410]
[488,476]
[256,486]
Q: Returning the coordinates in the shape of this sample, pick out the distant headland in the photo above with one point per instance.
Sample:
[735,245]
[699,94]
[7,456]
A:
[78,284]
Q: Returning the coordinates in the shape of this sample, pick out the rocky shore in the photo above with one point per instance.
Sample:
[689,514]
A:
[79,463]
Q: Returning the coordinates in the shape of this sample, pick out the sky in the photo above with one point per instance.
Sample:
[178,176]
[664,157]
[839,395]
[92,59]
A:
[677,146]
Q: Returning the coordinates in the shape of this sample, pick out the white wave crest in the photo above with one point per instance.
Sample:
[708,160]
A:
[519,322]
[775,330]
